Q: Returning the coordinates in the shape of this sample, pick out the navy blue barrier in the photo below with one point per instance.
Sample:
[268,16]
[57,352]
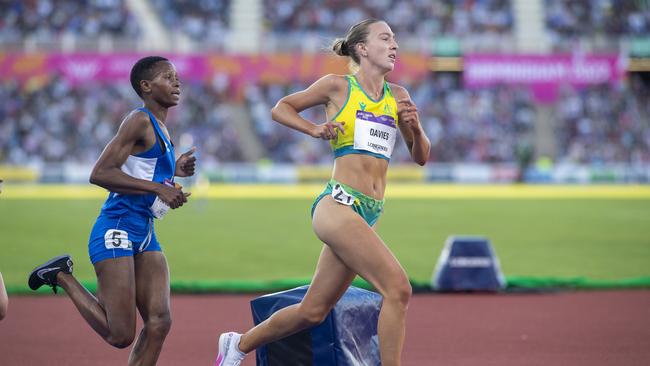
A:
[468,264]
[347,337]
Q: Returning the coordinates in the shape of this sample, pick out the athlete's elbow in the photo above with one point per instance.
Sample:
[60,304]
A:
[96,177]
[276,112]
[280,110]
[422,159]
[93,179]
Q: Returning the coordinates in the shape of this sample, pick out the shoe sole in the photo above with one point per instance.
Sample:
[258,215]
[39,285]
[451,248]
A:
[33,277]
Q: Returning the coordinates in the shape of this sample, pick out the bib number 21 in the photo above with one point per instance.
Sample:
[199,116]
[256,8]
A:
[341,196]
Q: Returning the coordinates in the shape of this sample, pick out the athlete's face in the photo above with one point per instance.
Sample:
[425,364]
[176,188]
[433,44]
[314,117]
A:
[165,85]
[380,48]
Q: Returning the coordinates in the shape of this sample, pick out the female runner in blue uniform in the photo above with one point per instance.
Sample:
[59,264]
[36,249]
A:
[137,167]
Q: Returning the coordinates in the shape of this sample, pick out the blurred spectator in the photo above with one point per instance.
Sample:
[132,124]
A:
[47,20]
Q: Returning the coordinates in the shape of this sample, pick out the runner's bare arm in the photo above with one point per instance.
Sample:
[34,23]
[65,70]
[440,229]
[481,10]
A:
[287,109]
[107,171]
[410,127]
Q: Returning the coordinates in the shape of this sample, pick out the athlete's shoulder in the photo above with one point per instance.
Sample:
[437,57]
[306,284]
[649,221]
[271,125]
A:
[333,82]
[399,92]
[137,117]
[335,78]
[135,122]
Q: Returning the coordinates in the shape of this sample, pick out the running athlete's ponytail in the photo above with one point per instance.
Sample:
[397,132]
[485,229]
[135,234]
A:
[340,47]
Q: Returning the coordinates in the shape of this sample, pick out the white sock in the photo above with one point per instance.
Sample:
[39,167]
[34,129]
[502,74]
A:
[237,346]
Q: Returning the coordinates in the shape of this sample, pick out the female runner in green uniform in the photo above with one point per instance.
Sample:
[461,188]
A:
[364,113]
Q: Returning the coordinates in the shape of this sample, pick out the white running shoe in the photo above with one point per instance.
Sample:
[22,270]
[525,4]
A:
[229,353]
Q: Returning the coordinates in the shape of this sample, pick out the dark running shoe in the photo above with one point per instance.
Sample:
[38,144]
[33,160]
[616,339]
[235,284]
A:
[45,274]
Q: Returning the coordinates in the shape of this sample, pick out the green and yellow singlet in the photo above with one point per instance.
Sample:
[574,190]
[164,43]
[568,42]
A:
[370,125]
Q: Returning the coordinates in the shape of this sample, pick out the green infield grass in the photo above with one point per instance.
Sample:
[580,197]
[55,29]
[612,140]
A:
[218,239]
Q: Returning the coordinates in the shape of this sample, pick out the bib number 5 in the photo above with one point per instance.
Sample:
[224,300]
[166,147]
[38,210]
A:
[114,239]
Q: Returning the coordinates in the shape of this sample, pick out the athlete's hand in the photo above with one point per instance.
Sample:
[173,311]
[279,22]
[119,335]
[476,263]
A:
[173,197]
[407,113]
[328,130]
[186,163]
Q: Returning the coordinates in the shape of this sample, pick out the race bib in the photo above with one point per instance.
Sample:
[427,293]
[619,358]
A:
[117,239]
[375,133]
[159,208]
[341,196]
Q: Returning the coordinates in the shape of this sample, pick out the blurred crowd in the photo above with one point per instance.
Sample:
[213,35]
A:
[201,20]
[48,20]
[311,24]
[64,123]
[483,125]
[604,124]
[589,17]
[425,18]
[298,22]
[59,122]
[290,21]
[569,20]
[464,126]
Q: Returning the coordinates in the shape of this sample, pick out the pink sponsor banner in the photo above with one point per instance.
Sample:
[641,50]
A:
[543,73]
[286,68]
[23,67]
[87,67]
[304,67]
[241,69]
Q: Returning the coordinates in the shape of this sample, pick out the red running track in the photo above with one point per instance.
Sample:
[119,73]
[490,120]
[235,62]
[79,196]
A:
[566,328]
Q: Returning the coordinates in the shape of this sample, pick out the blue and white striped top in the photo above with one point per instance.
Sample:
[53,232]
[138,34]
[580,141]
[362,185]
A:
[156,164]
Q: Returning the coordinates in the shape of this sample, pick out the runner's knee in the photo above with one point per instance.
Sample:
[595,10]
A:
[159,326]
[313,315]
[399,292]
[121,339]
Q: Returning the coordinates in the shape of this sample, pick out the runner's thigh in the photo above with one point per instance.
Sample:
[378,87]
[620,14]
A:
[152,284]
[357,244]
[116,292]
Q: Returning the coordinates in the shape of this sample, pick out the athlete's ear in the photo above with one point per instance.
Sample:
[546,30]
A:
[145,86]
[362,50]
